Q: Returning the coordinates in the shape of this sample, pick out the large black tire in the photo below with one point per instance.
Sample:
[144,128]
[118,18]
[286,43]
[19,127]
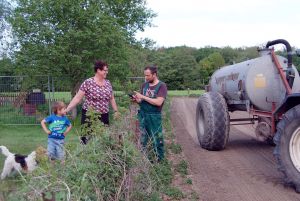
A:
[212,121]
[287,150]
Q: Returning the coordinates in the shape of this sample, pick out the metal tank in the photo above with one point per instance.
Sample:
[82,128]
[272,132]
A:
[254,82]
[268,88]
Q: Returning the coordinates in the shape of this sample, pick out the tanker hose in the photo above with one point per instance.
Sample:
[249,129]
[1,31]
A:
[288,49]
[290,73]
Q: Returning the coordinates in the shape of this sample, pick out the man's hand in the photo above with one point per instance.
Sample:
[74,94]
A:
[138,97]
[158,101]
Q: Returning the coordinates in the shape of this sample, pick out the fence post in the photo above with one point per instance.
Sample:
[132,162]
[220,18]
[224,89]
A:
[49,94]
[53,90]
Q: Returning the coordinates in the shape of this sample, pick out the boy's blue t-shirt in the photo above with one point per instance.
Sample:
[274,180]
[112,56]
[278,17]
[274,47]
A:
[57,126]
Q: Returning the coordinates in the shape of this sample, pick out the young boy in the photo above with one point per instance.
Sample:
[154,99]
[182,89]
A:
[58,127]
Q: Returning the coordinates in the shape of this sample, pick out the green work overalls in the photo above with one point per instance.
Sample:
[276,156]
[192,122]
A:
[151,125]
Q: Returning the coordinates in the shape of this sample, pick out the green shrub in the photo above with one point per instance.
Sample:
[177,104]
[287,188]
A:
[175,148]
[189,181]
[174,193]
[162,171]
[109,167]
[194,196]
[182,167]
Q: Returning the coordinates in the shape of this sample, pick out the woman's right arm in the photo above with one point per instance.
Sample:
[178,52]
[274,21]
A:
[77,98]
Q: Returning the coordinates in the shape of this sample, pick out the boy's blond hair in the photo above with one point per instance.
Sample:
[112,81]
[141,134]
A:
[58,105]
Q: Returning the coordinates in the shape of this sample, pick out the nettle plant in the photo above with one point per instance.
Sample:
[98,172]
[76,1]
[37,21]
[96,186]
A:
[109,167]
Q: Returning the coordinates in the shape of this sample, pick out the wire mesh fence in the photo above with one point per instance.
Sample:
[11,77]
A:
[27,100]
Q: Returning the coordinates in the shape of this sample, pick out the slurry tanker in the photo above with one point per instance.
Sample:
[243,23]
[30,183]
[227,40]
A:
[268,88]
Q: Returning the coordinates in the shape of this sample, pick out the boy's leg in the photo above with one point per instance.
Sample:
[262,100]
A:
[51,148]
[60,151]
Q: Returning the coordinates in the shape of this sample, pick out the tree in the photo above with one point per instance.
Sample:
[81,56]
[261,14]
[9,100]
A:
[210,64]
[5,11]
[295,59]
[248,53]
[65,37]
[229,54]
[176,66]
[5,39]
[216,60]
[205,52]
[6,67]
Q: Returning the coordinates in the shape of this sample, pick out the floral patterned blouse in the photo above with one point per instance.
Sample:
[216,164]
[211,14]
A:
[96,97]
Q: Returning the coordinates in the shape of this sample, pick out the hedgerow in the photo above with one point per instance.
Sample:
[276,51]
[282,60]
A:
[109,167]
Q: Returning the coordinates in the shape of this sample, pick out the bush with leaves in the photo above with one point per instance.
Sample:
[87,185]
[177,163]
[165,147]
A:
[109,167]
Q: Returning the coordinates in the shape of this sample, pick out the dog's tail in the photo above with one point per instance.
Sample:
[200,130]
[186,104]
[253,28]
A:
[4,151]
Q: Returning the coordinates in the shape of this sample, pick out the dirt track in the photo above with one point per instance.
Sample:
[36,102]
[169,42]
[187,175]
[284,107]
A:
[244,171]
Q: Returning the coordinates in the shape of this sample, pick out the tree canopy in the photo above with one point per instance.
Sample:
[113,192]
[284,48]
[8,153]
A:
[5,32]
[65,37]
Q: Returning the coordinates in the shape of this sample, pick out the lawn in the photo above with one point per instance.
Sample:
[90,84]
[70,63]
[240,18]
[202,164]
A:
[67,95]
[25,139]
[185,92]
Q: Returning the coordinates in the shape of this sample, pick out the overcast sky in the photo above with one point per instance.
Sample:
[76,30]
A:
[219,23]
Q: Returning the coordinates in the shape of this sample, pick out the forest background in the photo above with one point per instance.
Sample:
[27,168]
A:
[63,39]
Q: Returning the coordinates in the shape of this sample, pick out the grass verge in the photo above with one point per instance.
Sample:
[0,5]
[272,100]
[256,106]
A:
[106,169]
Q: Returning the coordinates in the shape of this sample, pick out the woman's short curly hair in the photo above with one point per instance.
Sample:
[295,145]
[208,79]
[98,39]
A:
[100,64]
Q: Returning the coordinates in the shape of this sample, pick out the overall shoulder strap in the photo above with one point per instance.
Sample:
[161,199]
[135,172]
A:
[145,88]
[157,87]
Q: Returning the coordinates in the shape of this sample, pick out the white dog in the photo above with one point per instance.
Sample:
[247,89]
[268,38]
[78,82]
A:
[17,162]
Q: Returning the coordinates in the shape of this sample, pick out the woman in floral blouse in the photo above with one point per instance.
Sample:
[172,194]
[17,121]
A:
[98,94]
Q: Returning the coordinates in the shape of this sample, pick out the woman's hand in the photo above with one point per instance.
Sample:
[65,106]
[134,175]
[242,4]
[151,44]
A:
[116,115]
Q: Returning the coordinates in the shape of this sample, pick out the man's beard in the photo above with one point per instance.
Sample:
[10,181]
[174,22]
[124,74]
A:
[151,81]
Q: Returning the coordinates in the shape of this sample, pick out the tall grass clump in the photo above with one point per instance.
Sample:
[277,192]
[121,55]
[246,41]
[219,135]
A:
[109,167]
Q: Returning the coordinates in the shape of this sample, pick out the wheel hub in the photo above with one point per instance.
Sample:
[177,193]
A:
[201,122]
[294,148]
